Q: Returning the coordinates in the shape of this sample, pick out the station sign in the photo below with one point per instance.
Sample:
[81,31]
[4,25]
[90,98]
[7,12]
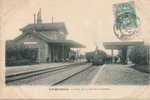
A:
[30,43]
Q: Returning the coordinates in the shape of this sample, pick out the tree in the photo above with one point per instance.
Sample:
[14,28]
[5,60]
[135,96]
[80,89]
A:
[139,55]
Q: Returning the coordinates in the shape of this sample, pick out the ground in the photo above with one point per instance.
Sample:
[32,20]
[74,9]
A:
[107,74]
[110,74]
[121,75]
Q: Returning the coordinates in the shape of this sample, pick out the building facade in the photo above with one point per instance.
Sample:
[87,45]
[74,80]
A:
[49,39]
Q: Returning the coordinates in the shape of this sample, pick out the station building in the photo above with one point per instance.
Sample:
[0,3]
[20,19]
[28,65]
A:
[49,39]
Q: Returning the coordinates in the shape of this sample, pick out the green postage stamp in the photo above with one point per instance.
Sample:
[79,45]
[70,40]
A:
[126,20]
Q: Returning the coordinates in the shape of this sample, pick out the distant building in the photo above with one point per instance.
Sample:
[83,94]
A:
[48,38]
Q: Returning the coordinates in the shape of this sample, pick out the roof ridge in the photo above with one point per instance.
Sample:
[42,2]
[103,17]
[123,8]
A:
[47,23]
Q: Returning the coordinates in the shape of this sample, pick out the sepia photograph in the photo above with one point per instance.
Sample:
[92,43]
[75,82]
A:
[78,99]
[57,43]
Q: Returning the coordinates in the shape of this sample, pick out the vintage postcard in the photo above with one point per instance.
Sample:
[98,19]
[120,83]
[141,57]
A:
[76,48]
[86,99]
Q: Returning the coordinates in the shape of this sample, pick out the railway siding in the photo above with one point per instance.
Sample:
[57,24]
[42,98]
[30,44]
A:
[60,75]
[52,77]
[10,71]
[32,73]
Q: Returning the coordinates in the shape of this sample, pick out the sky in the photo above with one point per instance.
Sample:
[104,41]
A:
[89,22]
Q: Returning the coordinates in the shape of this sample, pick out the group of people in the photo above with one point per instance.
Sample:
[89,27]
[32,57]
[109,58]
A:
[72,58]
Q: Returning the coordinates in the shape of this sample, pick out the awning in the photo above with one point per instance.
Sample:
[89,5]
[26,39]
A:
[70,43]
[120,45]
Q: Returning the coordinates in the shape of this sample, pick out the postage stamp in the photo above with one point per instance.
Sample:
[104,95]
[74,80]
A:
[126,21]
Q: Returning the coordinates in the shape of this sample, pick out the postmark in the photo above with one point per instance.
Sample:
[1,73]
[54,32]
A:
[127,23]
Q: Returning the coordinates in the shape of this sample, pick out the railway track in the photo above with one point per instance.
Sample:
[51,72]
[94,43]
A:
[21,76]
[74,74]
[84,77]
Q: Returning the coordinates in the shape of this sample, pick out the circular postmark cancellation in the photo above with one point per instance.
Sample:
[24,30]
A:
[127,26]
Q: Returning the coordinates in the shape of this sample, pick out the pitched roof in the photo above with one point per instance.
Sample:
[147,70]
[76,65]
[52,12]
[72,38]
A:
[45,35]
[40,35]
[47,26]
[69,43]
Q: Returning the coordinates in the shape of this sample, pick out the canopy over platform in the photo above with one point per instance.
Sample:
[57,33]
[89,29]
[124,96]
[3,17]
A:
[120,45]
[70,43]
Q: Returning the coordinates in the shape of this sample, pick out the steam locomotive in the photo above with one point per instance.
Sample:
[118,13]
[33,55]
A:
[96,57]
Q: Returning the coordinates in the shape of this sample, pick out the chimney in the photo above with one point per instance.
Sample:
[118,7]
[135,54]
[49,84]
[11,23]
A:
[34,18]
[39,17]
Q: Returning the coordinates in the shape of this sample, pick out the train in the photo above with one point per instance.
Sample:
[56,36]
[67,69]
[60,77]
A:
[96,57]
